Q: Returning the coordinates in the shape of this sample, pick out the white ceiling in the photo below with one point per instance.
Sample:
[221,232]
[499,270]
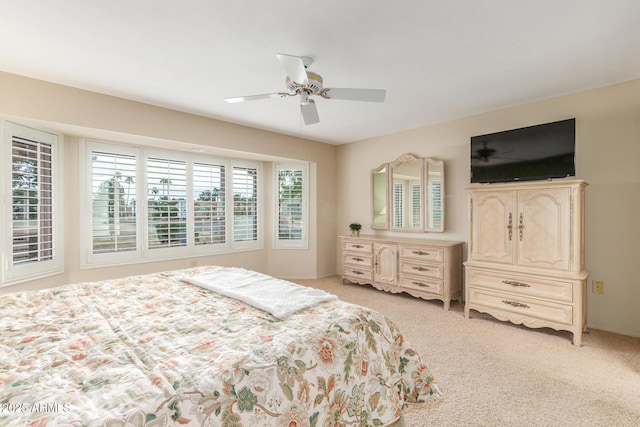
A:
[438,59]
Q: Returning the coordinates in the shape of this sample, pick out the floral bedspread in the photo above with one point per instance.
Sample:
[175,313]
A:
[154,351]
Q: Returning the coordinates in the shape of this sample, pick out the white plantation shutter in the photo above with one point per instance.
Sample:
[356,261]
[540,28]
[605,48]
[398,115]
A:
[291,226]
[435,196]
[149,204]
[166,201]
[245,204]
[398,204]
[32,201]
[209,213]
[416,205]
[114,209]
[34,248]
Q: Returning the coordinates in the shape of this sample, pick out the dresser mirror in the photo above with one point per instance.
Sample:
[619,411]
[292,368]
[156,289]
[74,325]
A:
[408,195]
[434,182]
[379,185]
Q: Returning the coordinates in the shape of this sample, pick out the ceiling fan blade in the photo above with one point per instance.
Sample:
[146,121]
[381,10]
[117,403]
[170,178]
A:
[294,66]
[370,95]
[256,97]
[309,113]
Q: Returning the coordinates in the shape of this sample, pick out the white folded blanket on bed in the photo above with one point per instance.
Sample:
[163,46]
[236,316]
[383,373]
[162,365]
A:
[278,297]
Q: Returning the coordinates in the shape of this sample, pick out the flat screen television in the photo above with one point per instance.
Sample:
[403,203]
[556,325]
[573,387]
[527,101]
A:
[531,153]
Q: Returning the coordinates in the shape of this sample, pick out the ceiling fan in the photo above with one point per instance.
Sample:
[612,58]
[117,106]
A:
[304,83]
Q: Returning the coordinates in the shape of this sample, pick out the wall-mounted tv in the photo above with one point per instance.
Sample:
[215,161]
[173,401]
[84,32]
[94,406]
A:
[538,152]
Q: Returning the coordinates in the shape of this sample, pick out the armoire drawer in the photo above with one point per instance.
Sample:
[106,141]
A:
[435,271]
[422,253]
[358,246]
[547,311]
[522,285]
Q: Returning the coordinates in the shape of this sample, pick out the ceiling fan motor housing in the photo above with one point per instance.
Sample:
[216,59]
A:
[314,85]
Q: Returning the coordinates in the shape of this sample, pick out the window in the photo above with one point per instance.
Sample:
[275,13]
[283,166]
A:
[245,204]
[156,204]
[114,213]
[291,197]
[166,203]
[209,212]
[31,177]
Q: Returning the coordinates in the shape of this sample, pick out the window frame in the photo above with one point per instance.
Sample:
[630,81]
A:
[10,273]
[303,242]
[143,252]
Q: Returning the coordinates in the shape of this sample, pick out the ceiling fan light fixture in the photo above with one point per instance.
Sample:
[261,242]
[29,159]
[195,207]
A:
[314,83]
[301,81]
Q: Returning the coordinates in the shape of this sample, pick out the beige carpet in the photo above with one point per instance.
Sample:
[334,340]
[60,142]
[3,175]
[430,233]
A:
[499,374]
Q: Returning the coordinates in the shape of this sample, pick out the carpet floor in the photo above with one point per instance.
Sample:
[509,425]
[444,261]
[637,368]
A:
[496,373]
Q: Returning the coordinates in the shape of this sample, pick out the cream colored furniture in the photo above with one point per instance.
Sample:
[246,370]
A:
[428,269]
[408,195]
[526,254]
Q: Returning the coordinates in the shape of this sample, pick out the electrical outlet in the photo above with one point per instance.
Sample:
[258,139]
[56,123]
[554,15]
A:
[597,286]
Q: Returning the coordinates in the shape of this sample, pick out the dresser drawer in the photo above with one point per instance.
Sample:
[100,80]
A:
[358,260]
[522,285]
[532,309]
[435,271]
[421,284]
[357,273]
[358,246]
[423,253]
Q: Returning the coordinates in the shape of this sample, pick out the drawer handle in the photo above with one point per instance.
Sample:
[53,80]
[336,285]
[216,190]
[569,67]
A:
[420,268]
[421,253]
[357,259]
[357,246]
[514,283]
[422,285]
[515,304]
[356,272]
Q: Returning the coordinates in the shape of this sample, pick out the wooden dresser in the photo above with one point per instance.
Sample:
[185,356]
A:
[526,254]
[428,269]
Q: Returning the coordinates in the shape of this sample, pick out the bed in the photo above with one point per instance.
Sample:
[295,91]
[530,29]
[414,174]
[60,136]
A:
[156,350]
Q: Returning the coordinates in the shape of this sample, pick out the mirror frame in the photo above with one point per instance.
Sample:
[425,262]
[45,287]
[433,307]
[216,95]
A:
[381,221]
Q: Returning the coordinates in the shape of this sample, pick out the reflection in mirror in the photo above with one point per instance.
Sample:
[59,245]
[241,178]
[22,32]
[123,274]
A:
[406,193]
[435,194]
[379,186]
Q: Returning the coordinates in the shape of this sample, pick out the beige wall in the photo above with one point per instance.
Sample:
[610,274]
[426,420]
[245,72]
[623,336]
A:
[607,157]
[77,113]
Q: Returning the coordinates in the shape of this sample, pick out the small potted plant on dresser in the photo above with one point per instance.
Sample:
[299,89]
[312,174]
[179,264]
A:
[355,229]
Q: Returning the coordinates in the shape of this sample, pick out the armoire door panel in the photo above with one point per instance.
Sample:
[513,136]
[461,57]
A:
[543,221]
[493,227]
